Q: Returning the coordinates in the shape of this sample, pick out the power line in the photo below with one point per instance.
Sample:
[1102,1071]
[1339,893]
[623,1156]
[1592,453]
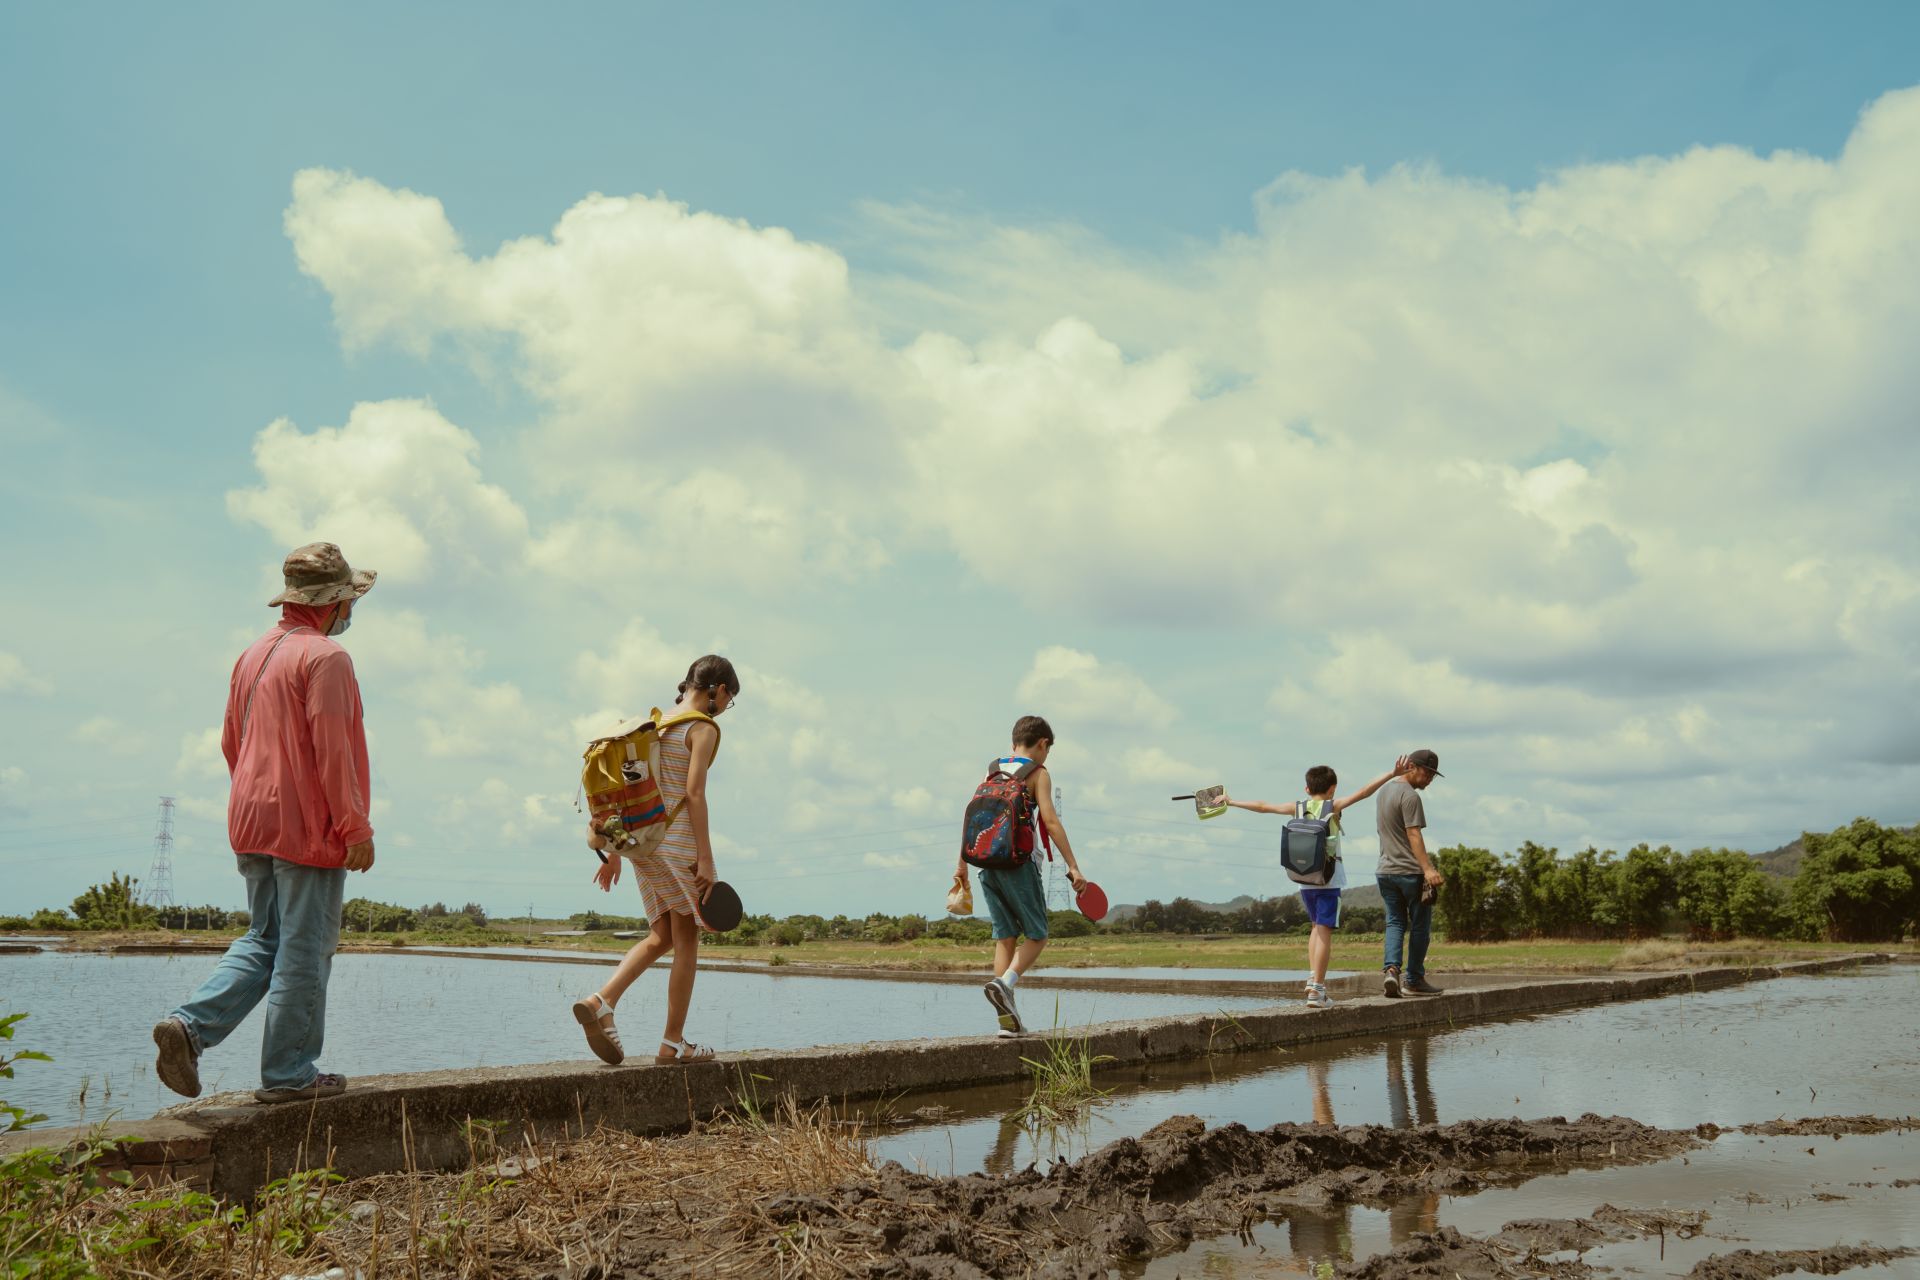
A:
[78,822]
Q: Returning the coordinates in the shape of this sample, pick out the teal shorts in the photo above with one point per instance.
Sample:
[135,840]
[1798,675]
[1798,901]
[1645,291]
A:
[1016,901]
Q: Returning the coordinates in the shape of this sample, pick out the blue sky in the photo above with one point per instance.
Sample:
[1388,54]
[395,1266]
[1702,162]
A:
[1561,433]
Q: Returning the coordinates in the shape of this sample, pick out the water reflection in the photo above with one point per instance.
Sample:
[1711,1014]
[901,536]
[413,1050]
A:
[1404,1056]
[1325,1234]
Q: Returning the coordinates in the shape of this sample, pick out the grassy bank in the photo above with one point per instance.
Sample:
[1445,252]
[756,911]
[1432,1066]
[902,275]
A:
[1358,952]
[1241,951]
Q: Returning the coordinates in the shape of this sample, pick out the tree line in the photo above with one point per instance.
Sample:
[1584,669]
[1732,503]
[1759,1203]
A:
[1857,883]
[116,905]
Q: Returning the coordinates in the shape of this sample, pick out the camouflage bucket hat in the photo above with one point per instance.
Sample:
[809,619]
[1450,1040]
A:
[317,574]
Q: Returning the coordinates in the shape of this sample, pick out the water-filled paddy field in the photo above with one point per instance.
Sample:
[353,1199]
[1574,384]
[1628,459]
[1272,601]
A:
[1796,1047]
[388,1013]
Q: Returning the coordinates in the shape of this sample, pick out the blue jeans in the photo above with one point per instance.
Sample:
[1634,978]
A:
[1409,921]
[286,956]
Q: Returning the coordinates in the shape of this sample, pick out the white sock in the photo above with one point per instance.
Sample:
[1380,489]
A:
[1011,977]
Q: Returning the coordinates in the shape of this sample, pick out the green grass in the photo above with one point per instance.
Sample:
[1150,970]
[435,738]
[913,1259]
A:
[1062,1079]
[1239,951]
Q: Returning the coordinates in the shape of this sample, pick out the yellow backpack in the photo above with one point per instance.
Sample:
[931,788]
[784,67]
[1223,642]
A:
[621,778]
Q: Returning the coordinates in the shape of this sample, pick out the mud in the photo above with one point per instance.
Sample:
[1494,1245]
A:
[1832,1126]
[1521,1249]
[1745,1264]
[1180,1180]
[1448,1254]
[803,1197]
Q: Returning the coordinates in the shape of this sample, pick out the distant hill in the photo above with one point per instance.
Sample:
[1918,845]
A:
[1785,861]
[1366,895]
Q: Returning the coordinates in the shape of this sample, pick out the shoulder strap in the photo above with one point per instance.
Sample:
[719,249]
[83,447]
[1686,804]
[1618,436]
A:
[254,688]
[998,765]
[662,723]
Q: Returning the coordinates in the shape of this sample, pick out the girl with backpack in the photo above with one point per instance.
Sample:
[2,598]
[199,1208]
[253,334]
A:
[675,877]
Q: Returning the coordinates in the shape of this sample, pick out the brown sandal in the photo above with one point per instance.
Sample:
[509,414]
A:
[684,1051]
[602,1038]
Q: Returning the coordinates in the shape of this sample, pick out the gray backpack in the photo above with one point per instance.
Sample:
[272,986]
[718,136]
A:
[1308,849]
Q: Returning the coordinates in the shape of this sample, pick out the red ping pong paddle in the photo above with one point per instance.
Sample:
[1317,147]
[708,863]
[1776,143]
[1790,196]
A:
[1092,902]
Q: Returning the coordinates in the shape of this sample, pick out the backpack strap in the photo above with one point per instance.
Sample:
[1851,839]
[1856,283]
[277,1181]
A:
[255,686]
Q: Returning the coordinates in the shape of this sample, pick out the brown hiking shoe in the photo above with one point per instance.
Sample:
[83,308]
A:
[177,1065]
[324,1085]
[1390,982]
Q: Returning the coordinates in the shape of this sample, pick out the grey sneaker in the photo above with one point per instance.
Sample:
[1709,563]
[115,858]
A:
[177,1065]
[1390,982]
[1000,996]
[1317,997]
[324,1085]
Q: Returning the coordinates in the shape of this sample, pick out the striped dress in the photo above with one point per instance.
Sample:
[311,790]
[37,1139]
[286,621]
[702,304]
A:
[666,874]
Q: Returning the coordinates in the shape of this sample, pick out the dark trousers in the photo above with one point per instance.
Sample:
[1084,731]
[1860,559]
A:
[1409,923]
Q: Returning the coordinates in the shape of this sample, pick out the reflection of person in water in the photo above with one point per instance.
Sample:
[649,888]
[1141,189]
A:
[1322,1101]
[1006,1146]
[1320,1233]
[1419,1212]
[1422,1109]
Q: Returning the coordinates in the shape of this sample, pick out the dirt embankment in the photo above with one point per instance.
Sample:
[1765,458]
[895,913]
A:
[1827,1126]
[1519,1252]
[1179,1181]
[804,1198]
[1745,1264]
[800,1199]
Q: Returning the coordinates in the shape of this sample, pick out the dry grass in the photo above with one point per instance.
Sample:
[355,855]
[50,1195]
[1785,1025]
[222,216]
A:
[1655,953]
[706,1203]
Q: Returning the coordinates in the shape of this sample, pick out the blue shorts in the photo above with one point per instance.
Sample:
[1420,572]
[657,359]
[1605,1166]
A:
[1016,901]
[1323,906]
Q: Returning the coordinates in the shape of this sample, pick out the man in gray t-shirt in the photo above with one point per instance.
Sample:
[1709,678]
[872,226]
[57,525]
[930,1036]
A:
[1406,875]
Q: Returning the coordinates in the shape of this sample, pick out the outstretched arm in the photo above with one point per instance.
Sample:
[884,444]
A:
[1400,766]
[1285,810]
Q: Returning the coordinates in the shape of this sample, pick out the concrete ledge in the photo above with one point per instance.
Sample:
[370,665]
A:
[417,1121]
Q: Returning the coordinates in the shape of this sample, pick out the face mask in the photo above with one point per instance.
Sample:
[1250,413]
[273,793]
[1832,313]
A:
[340,624]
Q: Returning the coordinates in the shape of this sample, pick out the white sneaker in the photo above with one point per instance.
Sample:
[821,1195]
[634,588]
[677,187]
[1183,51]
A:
[1000,996]
[1317,997]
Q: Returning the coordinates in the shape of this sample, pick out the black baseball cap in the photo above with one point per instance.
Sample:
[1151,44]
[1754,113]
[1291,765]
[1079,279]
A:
[1425,759]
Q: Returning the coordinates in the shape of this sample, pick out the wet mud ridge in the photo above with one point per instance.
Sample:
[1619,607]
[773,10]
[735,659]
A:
[1180,1181]
[802,1197]
[1519,1253]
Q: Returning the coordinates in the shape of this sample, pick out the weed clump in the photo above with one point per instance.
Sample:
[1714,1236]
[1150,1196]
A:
[1062,1082]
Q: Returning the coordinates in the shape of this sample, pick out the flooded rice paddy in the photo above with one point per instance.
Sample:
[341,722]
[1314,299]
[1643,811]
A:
[94,1013]
[1825,1045]
[1830,1045]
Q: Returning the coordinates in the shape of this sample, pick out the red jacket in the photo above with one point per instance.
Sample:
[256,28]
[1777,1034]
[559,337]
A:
[299,756]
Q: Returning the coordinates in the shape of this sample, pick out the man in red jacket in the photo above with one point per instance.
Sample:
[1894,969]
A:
[297,820]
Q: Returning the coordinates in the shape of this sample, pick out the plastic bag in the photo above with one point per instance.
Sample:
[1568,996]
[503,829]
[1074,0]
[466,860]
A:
[960,898]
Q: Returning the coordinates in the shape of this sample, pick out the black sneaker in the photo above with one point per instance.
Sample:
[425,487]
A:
[1419,987]
[1390,982]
